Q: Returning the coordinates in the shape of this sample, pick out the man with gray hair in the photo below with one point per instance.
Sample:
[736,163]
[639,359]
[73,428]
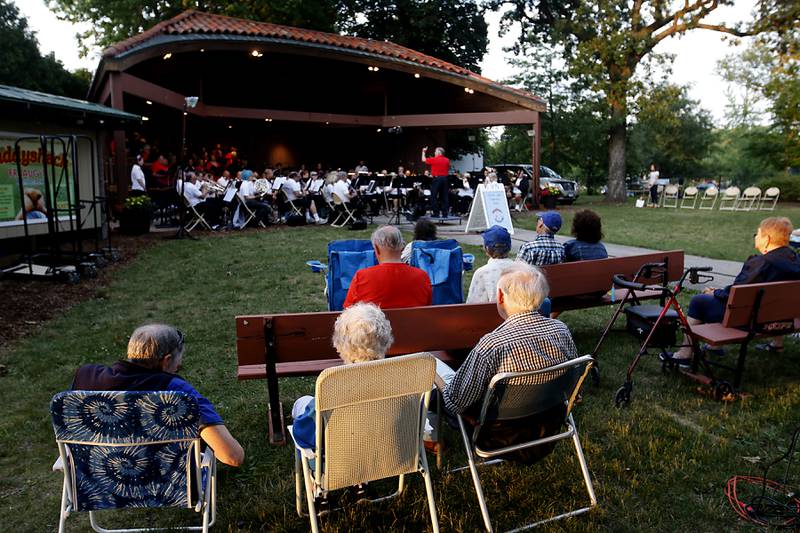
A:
[525,340]
[391,283]
[155,354]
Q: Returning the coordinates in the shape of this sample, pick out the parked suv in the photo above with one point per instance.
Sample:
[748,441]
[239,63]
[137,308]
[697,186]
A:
[547,176]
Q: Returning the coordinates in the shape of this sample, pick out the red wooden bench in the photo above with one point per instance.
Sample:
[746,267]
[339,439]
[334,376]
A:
[752,311]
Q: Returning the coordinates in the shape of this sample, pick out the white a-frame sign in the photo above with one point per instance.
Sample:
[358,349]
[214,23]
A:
[489,208]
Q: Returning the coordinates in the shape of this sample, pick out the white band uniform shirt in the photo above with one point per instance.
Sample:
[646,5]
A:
[137,179]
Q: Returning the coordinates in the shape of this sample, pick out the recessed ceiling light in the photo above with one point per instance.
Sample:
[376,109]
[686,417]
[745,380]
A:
[326,122]
[145,118]
[378,130]
[202,50]
[148,102]
[185,113]
[229,127]
[167,55]
[416,75]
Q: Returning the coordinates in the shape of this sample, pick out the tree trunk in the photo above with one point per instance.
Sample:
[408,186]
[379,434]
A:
[616,155]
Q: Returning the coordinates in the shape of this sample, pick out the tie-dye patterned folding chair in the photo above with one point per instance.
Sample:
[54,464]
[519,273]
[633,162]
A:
[123,450]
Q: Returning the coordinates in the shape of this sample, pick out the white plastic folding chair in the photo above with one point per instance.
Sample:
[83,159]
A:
[748,201]
[518,395]
[729,199]
[690,195]
[122,449]
[344,215]
[770,199]
[669,197]
[370,419]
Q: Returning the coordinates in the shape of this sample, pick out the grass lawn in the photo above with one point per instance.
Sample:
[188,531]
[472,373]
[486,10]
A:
[659,465]
[715,234]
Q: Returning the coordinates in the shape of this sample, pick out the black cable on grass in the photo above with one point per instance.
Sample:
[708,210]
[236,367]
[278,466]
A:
[778,504]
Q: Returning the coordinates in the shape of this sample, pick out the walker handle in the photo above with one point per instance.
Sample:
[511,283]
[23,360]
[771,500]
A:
[619,281]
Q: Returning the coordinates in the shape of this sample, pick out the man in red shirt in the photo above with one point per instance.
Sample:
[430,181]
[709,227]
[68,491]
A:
[391,283]
[440,168]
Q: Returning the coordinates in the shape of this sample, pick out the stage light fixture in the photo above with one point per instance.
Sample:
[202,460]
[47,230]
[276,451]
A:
[167,55]
[191,101]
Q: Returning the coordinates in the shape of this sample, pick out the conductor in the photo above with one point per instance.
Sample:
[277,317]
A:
[440,168]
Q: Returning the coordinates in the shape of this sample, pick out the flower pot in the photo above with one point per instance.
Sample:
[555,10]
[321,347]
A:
[134,222]
[549,202]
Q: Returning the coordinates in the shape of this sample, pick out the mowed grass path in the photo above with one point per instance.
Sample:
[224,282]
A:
[659,465]
[715,234]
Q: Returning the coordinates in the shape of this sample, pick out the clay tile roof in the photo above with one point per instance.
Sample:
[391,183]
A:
[197,22]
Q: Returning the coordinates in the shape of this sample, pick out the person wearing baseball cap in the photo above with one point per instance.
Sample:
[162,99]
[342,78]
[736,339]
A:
[497,245]
[544,250]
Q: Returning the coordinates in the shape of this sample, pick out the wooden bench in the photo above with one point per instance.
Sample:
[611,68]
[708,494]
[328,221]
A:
[571,282]
[282,345]
[752,311]
[273,346]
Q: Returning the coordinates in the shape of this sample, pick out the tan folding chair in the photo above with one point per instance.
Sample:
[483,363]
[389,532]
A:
[295,209]
[729,199]
[749,199]
[370,419]
[709,199]
[342,210]
[517,395]
[669,197]
[248,213]
[690,194]
[194,218]
[769,200]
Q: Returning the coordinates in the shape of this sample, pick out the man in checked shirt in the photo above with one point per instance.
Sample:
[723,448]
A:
[524,341]
[544,250]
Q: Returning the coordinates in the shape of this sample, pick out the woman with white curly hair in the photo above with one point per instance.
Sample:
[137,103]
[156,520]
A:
[362,333]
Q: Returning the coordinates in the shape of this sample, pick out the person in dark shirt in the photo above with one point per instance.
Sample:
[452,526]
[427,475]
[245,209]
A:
[155,354]
[775,261]
[587,230]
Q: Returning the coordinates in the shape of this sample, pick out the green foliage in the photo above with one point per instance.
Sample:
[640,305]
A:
[22,64]
[671,130]
[788,184]
[745,155]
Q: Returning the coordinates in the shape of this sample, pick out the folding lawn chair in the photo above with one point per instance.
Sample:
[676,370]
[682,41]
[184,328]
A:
[729,199]
[370,419]
[770,199]
[342,211]
[516,395]
[709,199]
[244,215]
[294,208]
[669,198]
[122,450]
[194,218]
[749,199]
[690,194]
[345,258]
[443,262]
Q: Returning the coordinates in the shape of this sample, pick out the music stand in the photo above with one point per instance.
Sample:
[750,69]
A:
[190,102]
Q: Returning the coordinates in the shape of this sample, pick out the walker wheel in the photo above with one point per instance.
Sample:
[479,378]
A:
[594,373]
[623,396]
[70,278]
[723,391]
[88,270]
[100,261]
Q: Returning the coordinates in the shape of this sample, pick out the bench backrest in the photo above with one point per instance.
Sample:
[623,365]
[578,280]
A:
[587,277]
[779,303]
[307,336]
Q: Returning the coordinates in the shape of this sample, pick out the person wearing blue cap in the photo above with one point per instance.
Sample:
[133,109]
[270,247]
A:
[247,192]
[544,250]
[497,245]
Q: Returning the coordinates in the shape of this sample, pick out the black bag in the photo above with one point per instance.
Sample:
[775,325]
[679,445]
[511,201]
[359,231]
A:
[641,318]
[359,223]
[295,220]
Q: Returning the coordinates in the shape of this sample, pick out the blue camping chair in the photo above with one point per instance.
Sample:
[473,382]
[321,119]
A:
[122,450]
[443,262]
[345,258]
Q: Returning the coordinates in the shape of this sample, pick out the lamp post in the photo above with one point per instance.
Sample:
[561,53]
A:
[190,102]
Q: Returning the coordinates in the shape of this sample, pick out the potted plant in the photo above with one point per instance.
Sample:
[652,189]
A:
[137,212]
[549,195]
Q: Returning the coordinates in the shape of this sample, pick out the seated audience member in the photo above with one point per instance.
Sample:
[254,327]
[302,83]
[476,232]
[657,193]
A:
[424,230]
[794,239]
[210,208]
[525,340]
[247,191]
[587,230]
[155,354]
[775,261]
[362,333]
[544,250]
[391,283]
[295,194]
[497,245]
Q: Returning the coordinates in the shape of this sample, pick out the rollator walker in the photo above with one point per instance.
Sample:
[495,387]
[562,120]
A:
[656,324]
